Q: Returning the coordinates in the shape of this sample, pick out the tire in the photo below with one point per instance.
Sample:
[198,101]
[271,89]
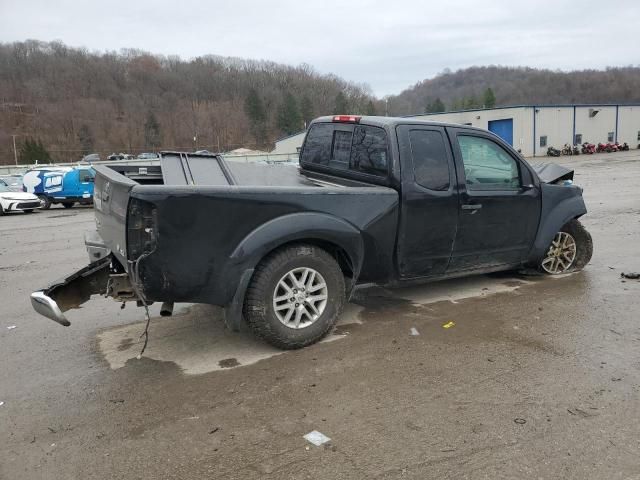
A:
[28,211]
[1,211]
[266,287]
[67,204]
[46,202]
[583,249]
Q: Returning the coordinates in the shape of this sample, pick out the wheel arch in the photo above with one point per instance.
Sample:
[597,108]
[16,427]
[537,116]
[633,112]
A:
[335,235]
[571,208]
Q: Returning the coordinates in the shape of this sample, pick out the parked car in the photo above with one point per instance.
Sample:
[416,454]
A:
[148,156]
[14,182]
[12,201]
[389,201]
[120,156]
[92,157]
[65,185]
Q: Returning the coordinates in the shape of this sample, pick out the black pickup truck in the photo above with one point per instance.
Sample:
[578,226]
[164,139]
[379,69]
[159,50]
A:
[389,201]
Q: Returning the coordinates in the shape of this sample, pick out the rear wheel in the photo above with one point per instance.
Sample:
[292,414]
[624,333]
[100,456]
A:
[295,296]
[570,250]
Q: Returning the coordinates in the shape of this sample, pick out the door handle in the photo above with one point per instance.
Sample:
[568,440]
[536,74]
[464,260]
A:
[472,206]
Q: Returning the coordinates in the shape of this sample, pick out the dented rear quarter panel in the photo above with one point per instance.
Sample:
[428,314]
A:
[208,236]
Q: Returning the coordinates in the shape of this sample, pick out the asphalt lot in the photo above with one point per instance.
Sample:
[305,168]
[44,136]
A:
[538,378]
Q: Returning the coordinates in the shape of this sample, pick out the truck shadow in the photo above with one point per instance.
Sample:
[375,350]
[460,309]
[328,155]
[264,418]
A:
[196,339]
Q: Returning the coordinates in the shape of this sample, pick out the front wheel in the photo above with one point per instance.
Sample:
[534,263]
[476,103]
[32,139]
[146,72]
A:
[570,250]
[46,202]
[295,296]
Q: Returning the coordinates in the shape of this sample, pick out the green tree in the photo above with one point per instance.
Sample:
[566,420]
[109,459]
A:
[489,98]
[85,137]
[288,119]
[254,108]
[370,108]
[152,134]
[436,106]
[306,110]
[341,105]
[32,151]
[471,103]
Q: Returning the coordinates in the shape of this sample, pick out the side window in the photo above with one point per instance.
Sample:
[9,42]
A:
[369,150]
[430,164]
[85,176]
[317,147]
[487,166]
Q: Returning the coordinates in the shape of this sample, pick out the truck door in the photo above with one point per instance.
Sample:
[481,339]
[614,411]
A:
[429,206]
[86,179]
[499,204]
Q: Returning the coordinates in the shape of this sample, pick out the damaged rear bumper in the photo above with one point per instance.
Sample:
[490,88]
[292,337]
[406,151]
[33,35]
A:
[72,291]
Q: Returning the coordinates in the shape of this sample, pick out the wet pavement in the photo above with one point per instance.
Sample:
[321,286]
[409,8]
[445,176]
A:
[537,377]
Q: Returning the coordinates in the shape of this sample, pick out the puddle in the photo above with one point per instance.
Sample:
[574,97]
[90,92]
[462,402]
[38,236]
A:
[196,339]
[460,289]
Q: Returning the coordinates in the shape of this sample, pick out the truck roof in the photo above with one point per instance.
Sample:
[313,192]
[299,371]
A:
[393,121]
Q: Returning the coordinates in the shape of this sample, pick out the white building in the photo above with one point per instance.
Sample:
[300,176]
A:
[290,144]
[533,128]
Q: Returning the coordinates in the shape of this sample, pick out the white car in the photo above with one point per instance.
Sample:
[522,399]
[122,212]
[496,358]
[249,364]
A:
[11,201]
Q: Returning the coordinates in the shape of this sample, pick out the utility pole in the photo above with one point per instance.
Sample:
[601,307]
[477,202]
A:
[15,152]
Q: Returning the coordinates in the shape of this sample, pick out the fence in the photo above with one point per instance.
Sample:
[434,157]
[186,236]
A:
[266,157]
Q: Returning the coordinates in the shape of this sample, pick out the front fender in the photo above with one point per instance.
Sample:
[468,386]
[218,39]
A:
[300,226]
[559,205]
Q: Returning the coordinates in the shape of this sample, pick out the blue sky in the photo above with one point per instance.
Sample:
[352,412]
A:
[387,45]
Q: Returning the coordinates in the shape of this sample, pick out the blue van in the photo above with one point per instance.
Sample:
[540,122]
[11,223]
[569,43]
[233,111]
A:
[65,185]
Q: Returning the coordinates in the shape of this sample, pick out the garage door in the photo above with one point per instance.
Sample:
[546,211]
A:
[503,128]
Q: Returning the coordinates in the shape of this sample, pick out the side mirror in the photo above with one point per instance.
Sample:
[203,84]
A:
[528,187]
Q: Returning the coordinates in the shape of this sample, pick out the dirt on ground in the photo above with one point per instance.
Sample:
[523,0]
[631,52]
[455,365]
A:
[498,376]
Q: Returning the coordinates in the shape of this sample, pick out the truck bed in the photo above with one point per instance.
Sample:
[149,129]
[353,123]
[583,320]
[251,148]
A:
[209,170]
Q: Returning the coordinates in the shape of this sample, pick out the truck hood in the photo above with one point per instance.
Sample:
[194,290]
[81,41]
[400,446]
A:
[552,173]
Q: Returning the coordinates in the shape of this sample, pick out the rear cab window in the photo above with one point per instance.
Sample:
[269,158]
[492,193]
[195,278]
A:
[361,149]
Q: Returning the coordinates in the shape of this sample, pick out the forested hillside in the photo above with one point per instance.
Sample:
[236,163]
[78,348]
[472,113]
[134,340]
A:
[74,102]
[62,103]
[468,88]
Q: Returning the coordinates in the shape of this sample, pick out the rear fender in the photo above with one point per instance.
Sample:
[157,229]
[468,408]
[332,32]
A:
[559,205]
[300,227]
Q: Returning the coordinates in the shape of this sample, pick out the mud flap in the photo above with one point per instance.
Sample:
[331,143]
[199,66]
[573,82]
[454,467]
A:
[72,291]
[233,311]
